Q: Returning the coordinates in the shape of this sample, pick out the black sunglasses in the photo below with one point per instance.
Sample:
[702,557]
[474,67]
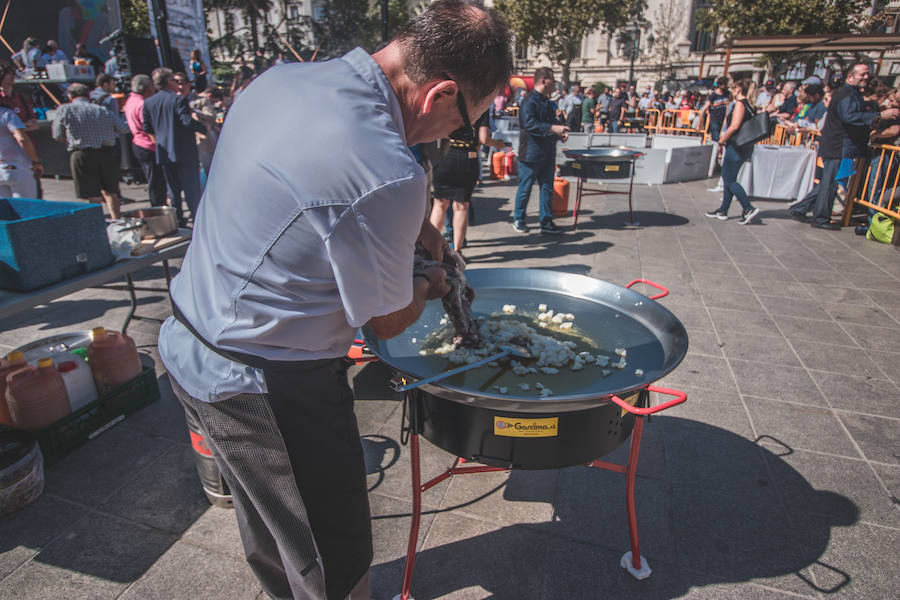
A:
[460,103]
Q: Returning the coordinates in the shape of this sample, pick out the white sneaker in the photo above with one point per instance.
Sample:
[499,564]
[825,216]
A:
[748,216]
[715,190]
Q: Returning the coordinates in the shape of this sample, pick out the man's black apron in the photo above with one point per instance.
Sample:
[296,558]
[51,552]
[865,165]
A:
[313,407]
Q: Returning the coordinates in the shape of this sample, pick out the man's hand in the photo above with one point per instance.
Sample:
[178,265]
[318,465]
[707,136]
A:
[37,169]
[890,113]
[437,277]
[432,240]
[560,130]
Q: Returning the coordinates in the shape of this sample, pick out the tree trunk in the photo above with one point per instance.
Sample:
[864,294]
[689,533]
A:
[564,66]
[253,31]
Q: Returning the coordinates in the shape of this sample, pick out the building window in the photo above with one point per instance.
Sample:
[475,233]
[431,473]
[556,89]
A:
[293,12]
[701,41]
[318,12]
[521,51]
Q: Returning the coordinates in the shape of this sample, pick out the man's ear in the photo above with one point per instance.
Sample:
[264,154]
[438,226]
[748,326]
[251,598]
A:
[439,90]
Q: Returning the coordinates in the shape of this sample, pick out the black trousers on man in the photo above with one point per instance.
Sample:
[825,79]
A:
[153,173]
[821,198]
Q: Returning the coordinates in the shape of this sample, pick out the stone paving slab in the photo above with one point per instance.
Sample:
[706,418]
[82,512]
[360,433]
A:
[777,479]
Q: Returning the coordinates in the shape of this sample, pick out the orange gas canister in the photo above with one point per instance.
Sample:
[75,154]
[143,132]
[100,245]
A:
[113,359]
[13,362]
[560,206]
[36,396]
[497,165]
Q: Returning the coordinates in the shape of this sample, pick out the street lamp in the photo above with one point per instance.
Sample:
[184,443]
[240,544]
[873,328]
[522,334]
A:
[630,44]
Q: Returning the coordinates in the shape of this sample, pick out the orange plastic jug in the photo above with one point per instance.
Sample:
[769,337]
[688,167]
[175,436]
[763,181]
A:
[13,362]
[560,205]
[113,359]
[497,165]
[36,396]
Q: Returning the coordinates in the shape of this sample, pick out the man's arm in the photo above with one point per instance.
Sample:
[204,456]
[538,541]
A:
[530,122]
[57,129]
[433,285]
[432,240]
[850,112]
[146,125]
[183,112]
[25,142]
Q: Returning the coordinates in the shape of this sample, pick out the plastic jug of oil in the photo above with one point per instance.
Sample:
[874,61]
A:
[78,379]
[113,359]
[36,396]
[13,362]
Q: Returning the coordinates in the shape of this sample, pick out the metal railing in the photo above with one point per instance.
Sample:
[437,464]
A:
[876,181]
[677,122]
[781,136]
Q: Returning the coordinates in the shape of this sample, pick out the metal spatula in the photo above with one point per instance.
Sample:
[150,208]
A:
[518,351]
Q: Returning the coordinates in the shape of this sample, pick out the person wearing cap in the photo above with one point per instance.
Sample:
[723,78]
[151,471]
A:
[764,96]
[811,80]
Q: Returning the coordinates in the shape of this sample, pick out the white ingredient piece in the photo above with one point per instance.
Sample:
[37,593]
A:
[546,392]
[524,386]
[605,372]
[567,325]
[509,308]
[539,385]
[558,318]
[602,361]
[570,317]
[502,390]
[542,307]
[550,370]
[621,352]
[638,372]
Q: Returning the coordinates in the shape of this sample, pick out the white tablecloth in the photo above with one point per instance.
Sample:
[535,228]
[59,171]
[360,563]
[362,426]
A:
[781,172]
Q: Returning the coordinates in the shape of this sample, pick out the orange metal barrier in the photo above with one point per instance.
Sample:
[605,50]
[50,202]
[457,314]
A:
[876,183]
[783,137]
[679,122]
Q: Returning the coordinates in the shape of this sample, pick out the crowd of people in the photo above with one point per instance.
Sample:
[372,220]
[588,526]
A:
[173,120]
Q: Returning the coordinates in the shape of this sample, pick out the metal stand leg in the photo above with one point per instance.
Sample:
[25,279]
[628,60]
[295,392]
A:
[630,188]
[578,189]
[131,293]
[416,519]
[632,560]
[169,283]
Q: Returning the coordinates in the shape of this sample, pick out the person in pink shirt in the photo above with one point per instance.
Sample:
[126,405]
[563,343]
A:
[142,143]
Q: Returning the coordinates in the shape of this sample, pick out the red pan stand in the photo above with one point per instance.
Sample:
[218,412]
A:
[632,560]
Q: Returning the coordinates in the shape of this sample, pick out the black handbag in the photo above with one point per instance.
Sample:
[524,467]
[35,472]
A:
[755,128]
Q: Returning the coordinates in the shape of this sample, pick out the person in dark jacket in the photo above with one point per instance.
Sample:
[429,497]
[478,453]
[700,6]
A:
[844,135]
[168,116]
[537,151]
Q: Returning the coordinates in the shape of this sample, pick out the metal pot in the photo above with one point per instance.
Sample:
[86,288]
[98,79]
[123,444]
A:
[599,163]
[154,222]
[466,414]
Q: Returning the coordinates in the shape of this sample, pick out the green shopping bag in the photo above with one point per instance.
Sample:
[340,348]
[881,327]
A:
[881,229]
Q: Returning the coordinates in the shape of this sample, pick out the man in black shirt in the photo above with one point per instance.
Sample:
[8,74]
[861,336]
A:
[845,135]
[616,110]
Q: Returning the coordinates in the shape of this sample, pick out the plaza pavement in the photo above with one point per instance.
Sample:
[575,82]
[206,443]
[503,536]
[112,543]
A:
[778,478]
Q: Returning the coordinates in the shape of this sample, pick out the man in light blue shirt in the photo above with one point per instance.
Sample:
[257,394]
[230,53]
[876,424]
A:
[305,233]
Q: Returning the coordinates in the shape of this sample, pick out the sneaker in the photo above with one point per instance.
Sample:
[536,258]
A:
[551,228]
[520,227]
[715,190]
[748,215]
[799,216]
[717,214]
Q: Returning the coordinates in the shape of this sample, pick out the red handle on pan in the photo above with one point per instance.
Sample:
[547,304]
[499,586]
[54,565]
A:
[664,290]
[679,398]
[358,352]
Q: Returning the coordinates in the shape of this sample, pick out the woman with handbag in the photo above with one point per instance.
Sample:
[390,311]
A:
[739,112]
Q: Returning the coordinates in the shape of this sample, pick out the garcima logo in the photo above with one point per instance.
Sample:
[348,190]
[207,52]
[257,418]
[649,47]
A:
[534,427]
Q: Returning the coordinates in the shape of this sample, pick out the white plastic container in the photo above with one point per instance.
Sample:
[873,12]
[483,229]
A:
[77,377]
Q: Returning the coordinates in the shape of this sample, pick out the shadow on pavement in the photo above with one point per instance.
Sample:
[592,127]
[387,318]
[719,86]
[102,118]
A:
[708,513]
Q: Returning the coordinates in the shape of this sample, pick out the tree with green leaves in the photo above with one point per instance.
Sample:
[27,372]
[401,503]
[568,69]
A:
[558,28]
[740,18]
[135,17]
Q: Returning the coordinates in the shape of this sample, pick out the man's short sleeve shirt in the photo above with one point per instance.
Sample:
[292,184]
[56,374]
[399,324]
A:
[10,151]
[306,228]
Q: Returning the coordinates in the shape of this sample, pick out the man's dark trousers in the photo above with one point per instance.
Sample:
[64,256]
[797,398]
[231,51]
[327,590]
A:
[156,180]
[184,177]
[821,198]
